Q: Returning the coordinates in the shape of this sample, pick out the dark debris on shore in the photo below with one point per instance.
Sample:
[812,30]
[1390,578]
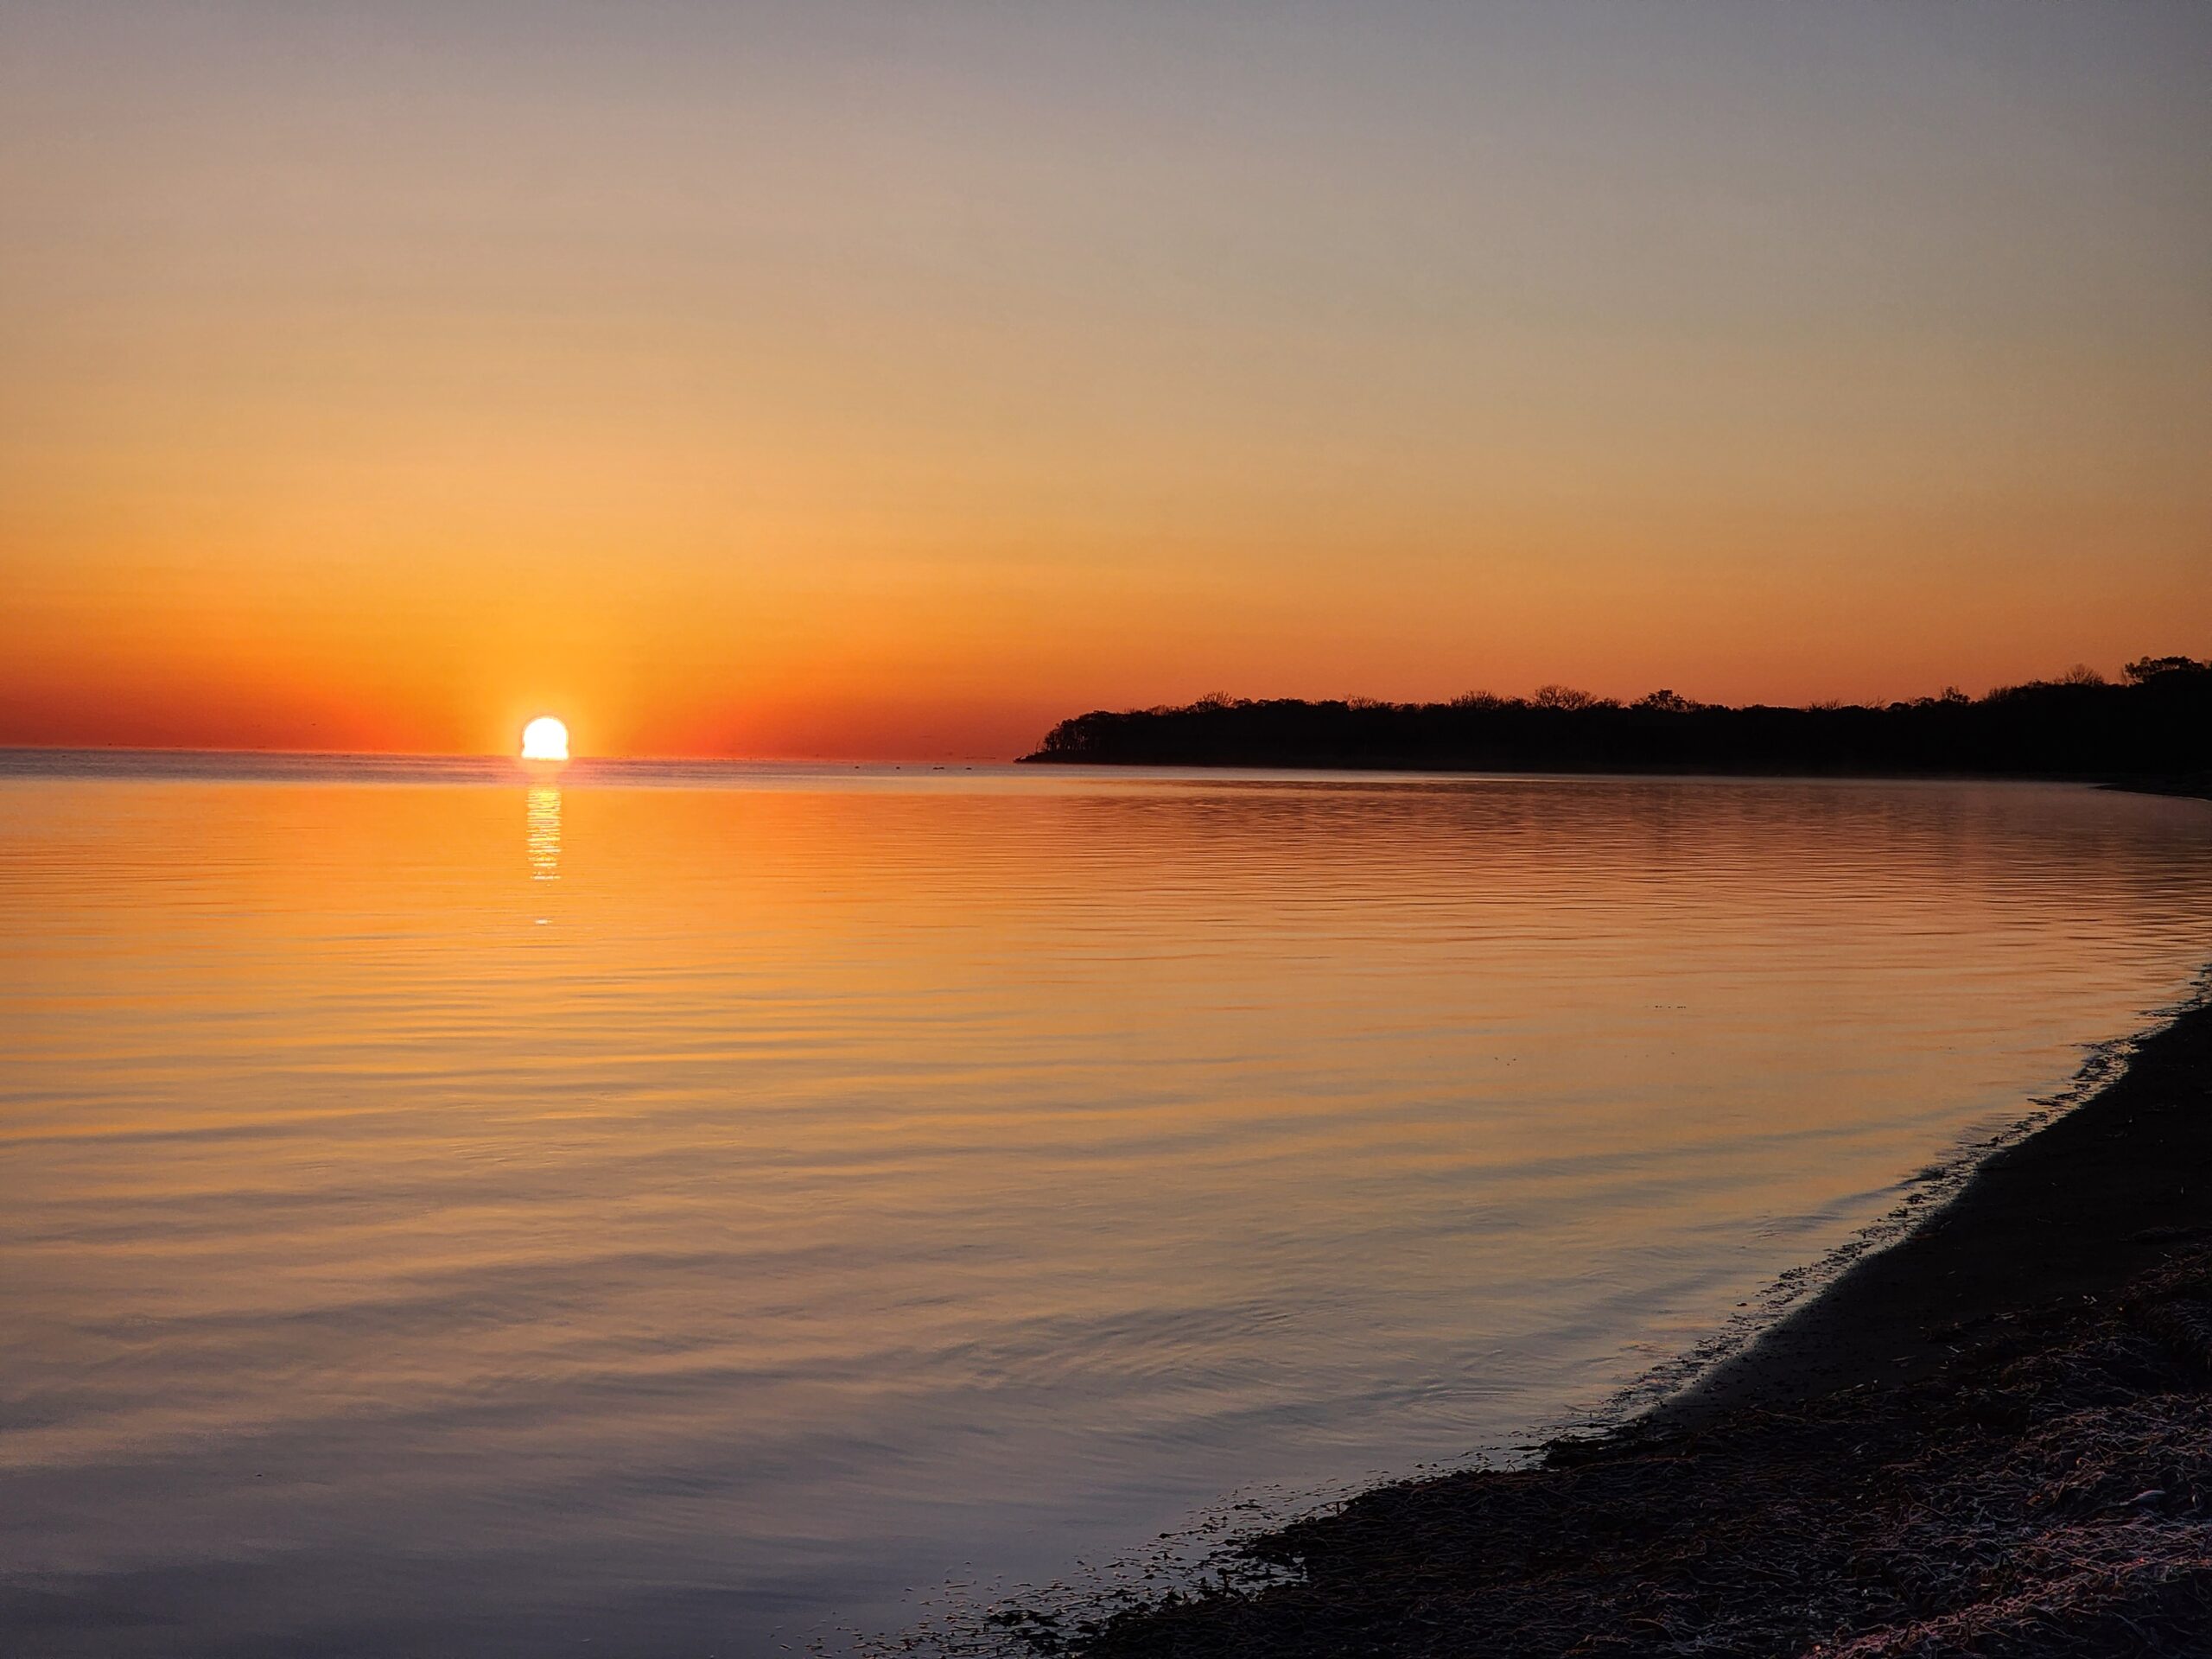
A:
[2049,1493]
[1993,1438]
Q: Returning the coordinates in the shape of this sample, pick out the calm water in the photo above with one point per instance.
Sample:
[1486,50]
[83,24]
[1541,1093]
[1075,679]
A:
[675,1212]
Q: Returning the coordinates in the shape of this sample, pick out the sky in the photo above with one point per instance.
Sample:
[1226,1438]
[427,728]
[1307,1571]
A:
[894,379]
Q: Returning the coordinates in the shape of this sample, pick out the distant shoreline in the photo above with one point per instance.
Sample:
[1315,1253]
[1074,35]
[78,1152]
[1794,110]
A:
[2194,786]
[1993,1436]
[2198,787]
[2156,726]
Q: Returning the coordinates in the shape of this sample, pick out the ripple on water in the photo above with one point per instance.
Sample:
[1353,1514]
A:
[689,1211]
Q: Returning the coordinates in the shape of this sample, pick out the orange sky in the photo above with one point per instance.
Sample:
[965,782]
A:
[862,380]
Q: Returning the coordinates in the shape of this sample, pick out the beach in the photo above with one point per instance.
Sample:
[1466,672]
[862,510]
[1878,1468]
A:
[1993,1437]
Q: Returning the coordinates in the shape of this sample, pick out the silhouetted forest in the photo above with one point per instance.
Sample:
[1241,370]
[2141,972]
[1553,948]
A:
[2155,725]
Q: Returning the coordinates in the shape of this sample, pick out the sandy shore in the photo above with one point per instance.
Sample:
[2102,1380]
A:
[1993,1437]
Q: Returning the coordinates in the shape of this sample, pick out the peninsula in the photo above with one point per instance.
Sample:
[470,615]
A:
[2153,727]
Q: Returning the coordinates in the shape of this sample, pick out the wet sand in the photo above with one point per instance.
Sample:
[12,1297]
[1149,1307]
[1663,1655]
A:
[1993,1437]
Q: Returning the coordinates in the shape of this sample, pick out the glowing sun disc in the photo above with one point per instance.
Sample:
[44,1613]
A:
[545,739]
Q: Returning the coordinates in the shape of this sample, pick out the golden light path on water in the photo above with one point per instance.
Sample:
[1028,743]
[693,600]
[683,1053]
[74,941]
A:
[542,810]
[452,1210]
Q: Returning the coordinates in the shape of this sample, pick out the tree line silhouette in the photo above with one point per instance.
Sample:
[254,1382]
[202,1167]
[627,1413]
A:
[2154,724]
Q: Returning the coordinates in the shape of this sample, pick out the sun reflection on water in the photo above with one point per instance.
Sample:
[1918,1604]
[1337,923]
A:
[542,816]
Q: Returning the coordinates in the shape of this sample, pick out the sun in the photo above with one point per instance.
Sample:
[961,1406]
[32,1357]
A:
[545,739]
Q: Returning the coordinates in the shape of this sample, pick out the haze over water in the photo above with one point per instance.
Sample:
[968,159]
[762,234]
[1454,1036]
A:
[679,1208]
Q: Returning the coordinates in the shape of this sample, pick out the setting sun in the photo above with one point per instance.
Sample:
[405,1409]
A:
[545,739]
[1341,732]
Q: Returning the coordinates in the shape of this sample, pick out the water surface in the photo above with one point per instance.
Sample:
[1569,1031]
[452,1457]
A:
[676,1210]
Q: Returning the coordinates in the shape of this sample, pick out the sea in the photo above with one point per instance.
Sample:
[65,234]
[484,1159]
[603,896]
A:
[683,1209]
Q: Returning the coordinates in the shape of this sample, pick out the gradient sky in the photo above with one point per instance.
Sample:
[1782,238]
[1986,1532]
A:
[895,379]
